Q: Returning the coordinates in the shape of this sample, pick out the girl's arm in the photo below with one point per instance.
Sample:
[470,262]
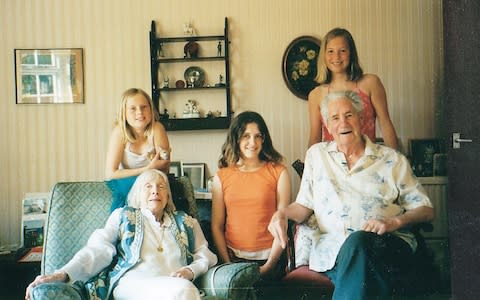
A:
[160,138]
[283,200]
[218,220]
[379,101]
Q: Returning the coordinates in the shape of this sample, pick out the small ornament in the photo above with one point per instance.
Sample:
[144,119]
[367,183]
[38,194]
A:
[219,49]
[220,81]
[180,84]
[166,83]
[188,29]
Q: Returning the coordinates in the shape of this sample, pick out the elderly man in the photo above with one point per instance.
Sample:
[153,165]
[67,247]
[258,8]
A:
[364,197]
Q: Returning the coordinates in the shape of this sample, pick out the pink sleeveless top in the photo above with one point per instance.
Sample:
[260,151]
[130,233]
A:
[369,117]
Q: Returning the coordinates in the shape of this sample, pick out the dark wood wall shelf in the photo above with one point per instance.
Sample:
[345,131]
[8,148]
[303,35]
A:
[160,93]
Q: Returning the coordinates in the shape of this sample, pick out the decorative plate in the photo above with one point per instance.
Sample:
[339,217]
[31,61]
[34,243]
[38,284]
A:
[194,76]
[300,65]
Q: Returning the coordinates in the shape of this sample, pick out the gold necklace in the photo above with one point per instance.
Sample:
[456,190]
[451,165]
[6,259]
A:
[159,240]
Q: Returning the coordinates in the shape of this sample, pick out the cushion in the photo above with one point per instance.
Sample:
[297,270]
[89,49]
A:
[120,188]
[303,240]
[56,290]
[229,280]
[306,277]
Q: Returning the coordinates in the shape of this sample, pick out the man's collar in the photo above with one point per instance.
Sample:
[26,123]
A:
[370,148]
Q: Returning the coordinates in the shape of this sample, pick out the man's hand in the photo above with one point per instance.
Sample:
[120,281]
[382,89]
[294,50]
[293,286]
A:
[278,228]
[382,226]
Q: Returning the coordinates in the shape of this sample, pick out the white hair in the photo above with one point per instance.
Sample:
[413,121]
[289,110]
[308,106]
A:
[352,96]
[135,196]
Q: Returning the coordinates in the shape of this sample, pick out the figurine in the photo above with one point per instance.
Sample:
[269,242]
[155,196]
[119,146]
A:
[165,115]
[160,52]
[219,49]
[188,29]
[220,81]
[191,110]
[166,82]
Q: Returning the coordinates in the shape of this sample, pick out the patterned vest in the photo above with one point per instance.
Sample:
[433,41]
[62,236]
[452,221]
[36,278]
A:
[129,244]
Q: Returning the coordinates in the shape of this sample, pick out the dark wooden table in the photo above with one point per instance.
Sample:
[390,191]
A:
[15,276]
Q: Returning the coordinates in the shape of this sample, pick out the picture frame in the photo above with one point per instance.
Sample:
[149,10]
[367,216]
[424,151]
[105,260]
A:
[176,168]
[300,65]
[49,76]
[196,173]
[422,153]
[440,164]
[35,209]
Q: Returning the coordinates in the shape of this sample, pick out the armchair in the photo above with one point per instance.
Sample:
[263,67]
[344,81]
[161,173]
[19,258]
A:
[423,281]
[78,208]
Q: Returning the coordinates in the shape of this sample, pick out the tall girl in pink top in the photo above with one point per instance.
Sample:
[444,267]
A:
[339,70]
[249,187]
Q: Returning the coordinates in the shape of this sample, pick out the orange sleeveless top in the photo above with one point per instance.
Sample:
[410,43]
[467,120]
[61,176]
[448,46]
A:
[369,117]
[250,201]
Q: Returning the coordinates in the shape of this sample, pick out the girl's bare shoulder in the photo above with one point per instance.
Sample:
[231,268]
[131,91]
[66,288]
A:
[318,93]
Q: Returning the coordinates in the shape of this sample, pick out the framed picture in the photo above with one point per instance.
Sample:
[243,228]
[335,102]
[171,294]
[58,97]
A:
[45,76]
[35,208]
[196,173]
[300,65]
[422,153]
[440,164]
[176,168]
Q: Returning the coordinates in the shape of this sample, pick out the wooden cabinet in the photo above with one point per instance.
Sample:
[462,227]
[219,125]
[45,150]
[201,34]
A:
[205,60]
[437,239]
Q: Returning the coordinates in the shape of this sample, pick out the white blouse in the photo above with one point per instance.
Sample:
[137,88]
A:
[153,264]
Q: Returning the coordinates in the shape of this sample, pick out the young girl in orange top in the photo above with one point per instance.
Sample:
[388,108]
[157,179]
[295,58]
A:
[249,187]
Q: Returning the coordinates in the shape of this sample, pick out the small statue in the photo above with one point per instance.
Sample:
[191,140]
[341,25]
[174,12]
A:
[188,29]
[166,82]
[220,81]
[191,110]
[165,115]
[219,49]
[160,52]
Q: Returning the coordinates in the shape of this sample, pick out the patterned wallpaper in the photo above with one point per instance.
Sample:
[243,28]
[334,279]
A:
[401,41]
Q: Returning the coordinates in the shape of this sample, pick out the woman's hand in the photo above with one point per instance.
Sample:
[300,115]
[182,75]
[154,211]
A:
[56,277]
[184,273]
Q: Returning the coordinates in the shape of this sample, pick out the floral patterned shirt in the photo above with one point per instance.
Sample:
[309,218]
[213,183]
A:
[381,184]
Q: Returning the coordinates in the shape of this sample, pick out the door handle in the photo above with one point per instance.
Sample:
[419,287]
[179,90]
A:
[457,140]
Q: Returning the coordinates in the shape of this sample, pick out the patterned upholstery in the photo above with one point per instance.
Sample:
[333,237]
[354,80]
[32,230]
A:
[189,195]
[303,241]
[78,208]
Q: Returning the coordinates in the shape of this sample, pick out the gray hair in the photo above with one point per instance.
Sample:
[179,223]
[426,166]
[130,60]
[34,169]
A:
[135,195]
[333,96]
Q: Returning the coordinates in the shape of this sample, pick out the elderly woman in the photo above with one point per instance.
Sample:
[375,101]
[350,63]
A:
[156,251]
[364,197]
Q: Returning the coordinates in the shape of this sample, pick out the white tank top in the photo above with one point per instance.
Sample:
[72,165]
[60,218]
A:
[133,160]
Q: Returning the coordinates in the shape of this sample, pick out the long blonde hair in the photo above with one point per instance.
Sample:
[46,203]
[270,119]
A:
[135,196]
[127,130]
[354,70]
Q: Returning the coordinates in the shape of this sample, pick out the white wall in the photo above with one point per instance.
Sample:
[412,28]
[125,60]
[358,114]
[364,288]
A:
[401,41]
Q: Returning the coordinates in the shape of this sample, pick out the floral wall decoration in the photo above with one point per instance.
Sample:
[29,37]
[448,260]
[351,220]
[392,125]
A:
[300,65]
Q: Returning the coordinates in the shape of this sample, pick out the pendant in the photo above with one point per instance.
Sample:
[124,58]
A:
[160,249]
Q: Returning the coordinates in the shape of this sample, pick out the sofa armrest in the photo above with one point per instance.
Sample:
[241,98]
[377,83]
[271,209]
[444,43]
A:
[230,281]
